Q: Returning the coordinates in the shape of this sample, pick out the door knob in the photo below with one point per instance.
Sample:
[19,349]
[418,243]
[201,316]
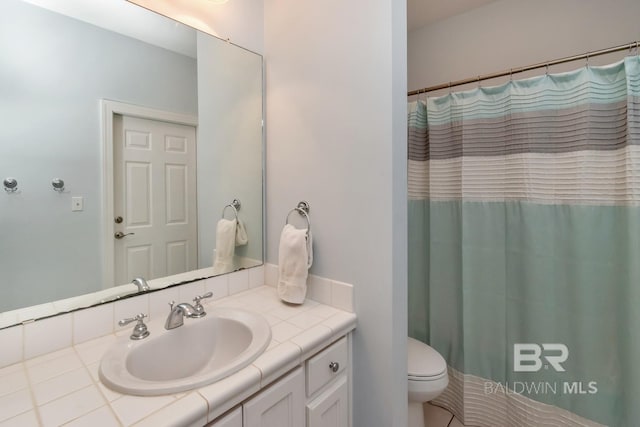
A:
[119,235]
[118,220]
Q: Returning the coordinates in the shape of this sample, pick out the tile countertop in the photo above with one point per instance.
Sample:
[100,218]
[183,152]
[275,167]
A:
[62,388]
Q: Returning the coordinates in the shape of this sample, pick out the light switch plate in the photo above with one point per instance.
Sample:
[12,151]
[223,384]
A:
[77,204]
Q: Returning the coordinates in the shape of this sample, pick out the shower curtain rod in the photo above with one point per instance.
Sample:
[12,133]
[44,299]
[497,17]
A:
[527,68]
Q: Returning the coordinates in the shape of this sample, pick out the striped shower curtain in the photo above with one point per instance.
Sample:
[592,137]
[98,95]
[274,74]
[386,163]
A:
[524,247]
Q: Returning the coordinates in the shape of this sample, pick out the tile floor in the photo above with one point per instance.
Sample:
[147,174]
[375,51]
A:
[435,416]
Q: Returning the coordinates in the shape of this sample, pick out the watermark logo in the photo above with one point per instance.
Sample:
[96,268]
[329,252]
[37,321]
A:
[527,357]
[531,357]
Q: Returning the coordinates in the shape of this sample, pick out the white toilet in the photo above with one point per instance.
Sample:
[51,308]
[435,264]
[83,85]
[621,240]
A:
[427,378]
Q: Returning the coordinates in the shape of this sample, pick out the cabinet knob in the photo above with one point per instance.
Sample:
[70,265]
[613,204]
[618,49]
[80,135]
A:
[334,366]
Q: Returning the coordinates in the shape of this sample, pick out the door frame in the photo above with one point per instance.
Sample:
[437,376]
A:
[108,109]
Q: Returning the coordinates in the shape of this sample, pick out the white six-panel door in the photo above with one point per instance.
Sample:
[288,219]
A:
[155,196]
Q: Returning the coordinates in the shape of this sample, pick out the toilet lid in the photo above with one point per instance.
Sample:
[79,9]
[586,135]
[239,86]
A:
[423,361]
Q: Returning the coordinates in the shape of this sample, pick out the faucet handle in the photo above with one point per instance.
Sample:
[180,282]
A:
[140,331]
[201,297]
[199,309]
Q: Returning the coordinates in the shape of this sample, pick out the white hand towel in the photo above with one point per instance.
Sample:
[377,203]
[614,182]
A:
[294,258]
[225,246]
[241,234]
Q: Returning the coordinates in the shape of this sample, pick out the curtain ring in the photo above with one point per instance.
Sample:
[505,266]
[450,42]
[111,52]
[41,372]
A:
[587,59]
[478,82]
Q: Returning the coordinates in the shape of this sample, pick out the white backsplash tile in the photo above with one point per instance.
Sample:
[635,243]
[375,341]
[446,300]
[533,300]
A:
[238,282]
[218,285]
[256,277]
[92,323]
[271,275]
[342,296]
[12,345]
[47,335]
[159,302]
[191,290]
[319,289]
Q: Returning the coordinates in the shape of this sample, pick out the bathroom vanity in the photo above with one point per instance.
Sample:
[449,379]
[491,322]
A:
[302,379]
[321,385]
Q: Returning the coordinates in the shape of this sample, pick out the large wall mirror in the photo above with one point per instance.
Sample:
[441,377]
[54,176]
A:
[125,139]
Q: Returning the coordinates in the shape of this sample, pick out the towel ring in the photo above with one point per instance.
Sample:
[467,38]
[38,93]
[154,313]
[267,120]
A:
[303,210]
[235,205]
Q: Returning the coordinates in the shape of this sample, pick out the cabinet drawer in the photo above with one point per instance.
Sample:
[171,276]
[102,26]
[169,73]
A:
[326,365]
[331,407]
[279,405]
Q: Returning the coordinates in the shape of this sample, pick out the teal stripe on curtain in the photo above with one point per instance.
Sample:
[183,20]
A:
[485,274]
[506,273]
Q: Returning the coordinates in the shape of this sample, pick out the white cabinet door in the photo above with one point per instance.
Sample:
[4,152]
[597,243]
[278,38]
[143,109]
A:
[331,408]
[281,405]
[234,419]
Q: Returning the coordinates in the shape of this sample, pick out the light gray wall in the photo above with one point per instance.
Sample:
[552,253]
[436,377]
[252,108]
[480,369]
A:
[53,72]
[336,137]
[510,33]
[229,143]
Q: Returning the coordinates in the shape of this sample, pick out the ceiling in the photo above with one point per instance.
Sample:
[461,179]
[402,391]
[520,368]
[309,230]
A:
[424,12]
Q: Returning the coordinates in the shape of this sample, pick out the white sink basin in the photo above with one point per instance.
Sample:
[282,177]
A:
[200,352]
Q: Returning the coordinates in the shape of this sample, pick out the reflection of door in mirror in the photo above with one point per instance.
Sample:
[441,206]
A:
[155,195]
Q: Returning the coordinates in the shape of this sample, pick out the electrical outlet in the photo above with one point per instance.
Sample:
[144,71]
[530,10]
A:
[77,204]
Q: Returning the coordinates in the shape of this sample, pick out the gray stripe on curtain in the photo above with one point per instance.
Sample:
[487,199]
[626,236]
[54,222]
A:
[585,127]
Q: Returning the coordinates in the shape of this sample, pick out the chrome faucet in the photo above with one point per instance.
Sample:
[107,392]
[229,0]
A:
[180,311]
[140,331]
[141,284]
